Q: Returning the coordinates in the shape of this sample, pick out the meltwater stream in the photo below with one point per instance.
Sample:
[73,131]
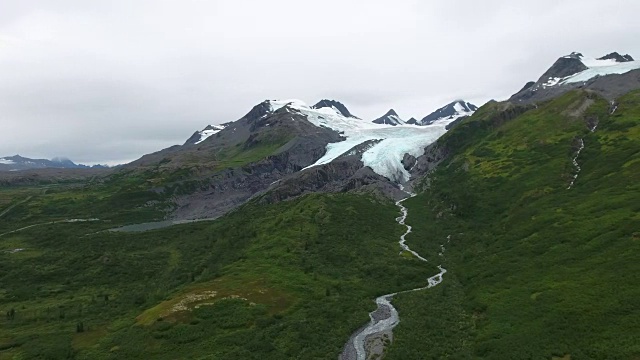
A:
[385,317]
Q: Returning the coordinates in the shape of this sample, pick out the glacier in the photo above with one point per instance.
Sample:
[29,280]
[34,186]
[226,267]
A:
[384,157]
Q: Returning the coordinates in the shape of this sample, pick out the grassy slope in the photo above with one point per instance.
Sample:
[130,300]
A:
[292,280]
[535,270]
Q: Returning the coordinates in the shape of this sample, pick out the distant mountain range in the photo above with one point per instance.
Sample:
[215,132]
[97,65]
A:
[17,163]
[450,112]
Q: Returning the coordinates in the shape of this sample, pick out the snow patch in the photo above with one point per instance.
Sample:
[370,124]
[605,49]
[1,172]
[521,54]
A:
[208,131]
[552,81]
[6,161]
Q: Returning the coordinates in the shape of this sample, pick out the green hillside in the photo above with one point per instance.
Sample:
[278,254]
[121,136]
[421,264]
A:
[266,282]
[536,270]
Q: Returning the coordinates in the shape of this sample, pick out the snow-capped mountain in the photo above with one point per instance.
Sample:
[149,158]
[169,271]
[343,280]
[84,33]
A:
[577,71]
[449,112]
[17,162]
[382,143]
[204,134]
[311,148]
[390,118]
[576,68]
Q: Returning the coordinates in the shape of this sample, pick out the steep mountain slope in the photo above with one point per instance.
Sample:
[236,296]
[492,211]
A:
[536,269]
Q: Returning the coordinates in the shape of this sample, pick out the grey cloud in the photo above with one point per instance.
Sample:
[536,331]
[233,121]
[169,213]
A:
[110,81]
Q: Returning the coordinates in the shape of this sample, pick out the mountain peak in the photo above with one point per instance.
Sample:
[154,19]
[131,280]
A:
[564,67]
[333,104]
[390,118]
[259,111]
[450,112]
[574,55]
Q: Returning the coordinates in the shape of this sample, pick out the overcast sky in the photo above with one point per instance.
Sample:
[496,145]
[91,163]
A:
[108,81]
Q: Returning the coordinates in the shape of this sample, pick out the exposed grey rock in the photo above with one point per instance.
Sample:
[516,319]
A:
[408,161]
[527,86]
[335,104]
[258,111]
[346,174]
[412,121]
[563,67]
[193,138]
[196,138]
[360,149]
[617,57]
[433,155]
[539,91]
